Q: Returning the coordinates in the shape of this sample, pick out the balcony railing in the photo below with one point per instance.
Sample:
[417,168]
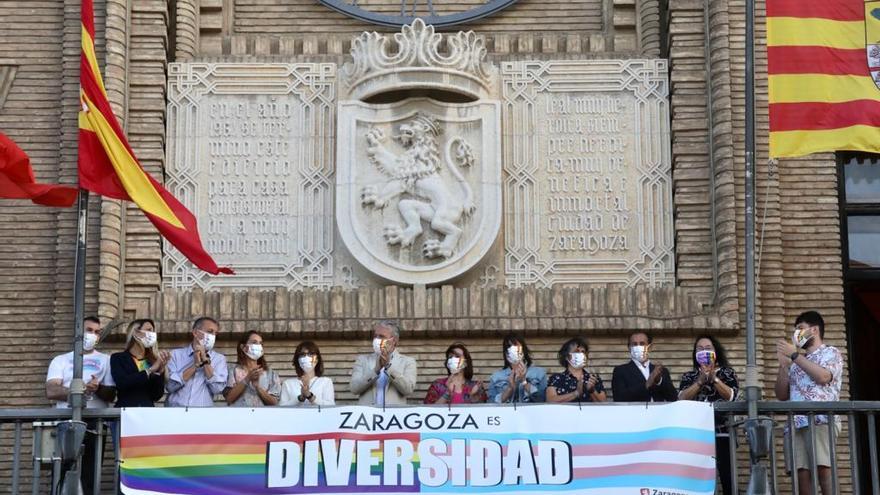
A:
[35,468]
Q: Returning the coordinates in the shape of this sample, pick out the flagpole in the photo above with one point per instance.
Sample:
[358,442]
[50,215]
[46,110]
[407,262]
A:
[79,286]
[759,431]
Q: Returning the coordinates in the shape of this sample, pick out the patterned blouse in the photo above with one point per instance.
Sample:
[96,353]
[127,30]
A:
[269,381]
[438,389]
[803,388]
[566,383]
[708,392]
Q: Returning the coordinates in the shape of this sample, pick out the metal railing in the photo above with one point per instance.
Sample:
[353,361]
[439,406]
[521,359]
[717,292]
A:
[40,466]
[38,461]
[860,416]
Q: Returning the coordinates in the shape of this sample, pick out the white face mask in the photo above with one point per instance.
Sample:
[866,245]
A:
[254,351]
[454,364]
[577,360]
[639,353]
[514,354]
[208,341]
[148,339]
[801,337]
[89,341]
[378,344]
[306,363]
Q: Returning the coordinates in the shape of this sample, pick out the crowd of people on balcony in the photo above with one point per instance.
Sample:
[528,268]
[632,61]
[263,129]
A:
[193,375]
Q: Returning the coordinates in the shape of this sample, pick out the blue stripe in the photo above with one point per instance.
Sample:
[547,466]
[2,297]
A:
[668,483]
[670,433]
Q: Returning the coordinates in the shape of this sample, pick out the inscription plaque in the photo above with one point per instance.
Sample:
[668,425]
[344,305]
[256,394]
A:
[588,197]
[250,152]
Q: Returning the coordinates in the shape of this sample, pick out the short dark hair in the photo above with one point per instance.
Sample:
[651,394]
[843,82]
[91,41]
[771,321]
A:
[469,366]
[200,321]
[511,339]
[242,356]
[312,347]
[720,353]
[812,318]
[572,343]
[646,334]
[93,319]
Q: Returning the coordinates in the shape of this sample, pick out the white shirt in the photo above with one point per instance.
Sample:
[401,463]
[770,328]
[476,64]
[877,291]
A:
[644,368]
[95,364]
[321,386]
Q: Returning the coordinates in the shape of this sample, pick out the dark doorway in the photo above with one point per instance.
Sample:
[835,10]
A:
[859,179]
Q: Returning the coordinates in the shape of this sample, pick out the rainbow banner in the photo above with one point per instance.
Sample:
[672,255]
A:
[599,449]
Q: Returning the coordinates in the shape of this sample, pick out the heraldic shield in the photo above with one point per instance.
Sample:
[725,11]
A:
[872,39]
[418,186]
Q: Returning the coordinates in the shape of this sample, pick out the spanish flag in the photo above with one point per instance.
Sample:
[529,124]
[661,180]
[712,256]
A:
[107,165]
[823,61]
[17,179]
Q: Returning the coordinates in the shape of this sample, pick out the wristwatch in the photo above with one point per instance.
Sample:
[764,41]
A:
[794,355]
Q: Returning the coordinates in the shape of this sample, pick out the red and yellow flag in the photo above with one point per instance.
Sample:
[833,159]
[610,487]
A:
[17,179]
[824,70]
[107,165]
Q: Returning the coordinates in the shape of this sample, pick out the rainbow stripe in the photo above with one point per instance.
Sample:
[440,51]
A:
[221,464]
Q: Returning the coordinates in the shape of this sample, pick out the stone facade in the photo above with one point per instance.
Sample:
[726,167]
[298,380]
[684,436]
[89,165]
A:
[702,42]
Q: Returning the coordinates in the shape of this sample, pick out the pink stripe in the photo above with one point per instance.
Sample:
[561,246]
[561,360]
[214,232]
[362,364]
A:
[646,468]
[631,448]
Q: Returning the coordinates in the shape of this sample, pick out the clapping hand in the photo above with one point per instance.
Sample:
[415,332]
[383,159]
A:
[591,383]
[253,375]
[655,375]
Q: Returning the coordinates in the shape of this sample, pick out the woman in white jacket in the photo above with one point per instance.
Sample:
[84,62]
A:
[309,386]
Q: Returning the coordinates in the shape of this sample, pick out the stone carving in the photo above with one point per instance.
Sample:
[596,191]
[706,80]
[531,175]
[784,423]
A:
[418,182]
[416,173]
[418,62]
[593,173]
[250,152]
[418,186]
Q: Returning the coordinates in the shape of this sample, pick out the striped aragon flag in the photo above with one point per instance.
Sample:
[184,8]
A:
[823,65]
[108,166]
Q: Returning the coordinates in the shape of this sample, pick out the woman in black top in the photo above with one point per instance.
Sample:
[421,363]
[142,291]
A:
[575,383]
[712,380]
[139,370]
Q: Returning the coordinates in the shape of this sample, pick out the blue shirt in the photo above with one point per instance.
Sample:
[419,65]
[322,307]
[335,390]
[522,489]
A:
[199,390]
[535,375]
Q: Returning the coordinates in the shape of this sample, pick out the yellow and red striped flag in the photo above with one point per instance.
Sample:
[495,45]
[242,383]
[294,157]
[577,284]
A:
[823,60]
[107,165]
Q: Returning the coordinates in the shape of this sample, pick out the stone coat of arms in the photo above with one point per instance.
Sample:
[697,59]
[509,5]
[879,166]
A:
[418,183]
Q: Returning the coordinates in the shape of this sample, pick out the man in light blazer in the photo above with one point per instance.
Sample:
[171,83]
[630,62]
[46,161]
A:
[386,377]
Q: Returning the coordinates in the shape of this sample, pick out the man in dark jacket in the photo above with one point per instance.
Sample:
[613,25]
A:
[640,380]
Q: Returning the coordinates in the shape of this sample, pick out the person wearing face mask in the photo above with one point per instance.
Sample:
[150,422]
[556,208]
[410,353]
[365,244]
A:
[384,377]
[809,370]
[196,372]
[575,383]
[640,380]
[309,386]
[251,383]
[518,380]
[99,387]
[712,380]
[139,370]
[459,386]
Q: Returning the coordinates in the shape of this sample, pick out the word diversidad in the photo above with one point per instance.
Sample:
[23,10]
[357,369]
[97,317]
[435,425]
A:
[434,461]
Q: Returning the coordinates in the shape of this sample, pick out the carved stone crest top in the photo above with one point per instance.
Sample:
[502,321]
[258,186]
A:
[420,61]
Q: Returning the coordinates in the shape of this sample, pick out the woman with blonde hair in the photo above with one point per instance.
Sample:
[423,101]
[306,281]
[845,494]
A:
[139,370]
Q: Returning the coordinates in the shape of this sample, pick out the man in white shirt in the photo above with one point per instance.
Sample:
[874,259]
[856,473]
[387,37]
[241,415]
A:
[99,388]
